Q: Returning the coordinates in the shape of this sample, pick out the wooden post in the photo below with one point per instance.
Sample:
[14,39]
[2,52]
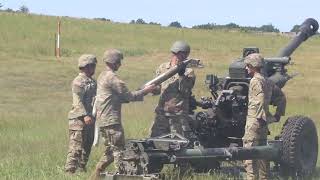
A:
[55,44]
[58,54]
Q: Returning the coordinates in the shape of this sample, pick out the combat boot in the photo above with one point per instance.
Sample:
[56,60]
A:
[82,169]
[96,174]
[70,171]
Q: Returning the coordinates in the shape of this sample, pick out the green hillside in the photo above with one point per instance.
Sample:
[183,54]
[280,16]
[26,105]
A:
[35,86]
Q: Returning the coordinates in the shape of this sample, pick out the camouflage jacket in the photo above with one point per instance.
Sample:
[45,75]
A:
[262,93]
[111,93]
[83,93]
[175,91]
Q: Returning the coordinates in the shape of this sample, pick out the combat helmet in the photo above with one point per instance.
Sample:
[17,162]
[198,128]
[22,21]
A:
[86,59]
[112,56]
[180,46]
[255,60]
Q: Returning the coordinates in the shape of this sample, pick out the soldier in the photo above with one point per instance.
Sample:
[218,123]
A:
[81,123]
[111,93]
[262,93]
[173,106]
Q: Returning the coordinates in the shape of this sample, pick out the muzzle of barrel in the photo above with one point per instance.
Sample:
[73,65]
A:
[307,29]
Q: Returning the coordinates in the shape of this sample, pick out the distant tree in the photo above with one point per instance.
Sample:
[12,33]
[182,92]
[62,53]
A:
[24,9]
[140,21]
[1,5]
[9,10]
[132,22]
[204,26]
[243,29]
[249,28]
[232,25]
[154,23]
[264,28]
[175,24]
[295,28]
[100,19]
[268,28]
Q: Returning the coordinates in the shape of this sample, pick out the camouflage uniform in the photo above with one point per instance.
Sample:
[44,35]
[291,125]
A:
[111,93]
[175,91]
[80,134]
[262,93]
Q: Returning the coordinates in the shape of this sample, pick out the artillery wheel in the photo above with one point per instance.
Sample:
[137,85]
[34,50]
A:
[300,146]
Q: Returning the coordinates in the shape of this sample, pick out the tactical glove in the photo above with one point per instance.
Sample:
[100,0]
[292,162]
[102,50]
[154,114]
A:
[182,69]
[277,117]
[262,122]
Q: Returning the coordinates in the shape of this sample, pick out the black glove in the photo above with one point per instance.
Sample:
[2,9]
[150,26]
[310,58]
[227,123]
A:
[182,69]
[277,117]
[262,122]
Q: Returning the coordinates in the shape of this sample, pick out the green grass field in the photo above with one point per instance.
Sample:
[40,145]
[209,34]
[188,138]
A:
[35,86]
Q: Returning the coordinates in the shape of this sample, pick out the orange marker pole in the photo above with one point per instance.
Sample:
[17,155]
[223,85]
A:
[58,55]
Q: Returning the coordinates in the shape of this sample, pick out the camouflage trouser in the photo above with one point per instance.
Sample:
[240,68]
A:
[80,143]
[114,142]
[160,126]
[171,124]
[256,135]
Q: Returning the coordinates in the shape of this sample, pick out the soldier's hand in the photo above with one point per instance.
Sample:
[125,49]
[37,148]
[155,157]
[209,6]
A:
[172,107]
[277,117]
[262,122]
[182,69]
[157,90]
[88,120]
[149,88]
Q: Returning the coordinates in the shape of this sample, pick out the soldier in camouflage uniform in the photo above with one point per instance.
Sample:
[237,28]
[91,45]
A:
[81,123]
[111,93]
[173,106]
[262,93]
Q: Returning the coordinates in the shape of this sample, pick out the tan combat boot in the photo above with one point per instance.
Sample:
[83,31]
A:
[96,174]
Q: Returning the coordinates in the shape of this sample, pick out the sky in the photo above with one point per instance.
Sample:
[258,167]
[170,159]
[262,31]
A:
[283,14]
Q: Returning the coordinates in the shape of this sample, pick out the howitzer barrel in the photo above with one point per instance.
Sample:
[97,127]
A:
[149,157]
[268,152]
[163,77]
[307,29]
[281,60]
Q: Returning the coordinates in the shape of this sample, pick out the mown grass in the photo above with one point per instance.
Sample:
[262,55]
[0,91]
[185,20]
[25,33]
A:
[35,86]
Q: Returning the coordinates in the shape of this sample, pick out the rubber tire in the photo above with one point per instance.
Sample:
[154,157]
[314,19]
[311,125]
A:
[299,152]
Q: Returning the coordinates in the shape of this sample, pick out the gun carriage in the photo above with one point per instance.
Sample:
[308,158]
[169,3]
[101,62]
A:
[220,127]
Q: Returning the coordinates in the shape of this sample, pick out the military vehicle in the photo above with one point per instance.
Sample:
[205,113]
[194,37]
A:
[220,127]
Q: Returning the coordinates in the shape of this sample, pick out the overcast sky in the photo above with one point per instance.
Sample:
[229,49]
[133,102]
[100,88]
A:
[283,14]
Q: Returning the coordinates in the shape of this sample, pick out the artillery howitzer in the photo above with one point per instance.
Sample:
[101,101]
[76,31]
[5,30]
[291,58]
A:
[220,128]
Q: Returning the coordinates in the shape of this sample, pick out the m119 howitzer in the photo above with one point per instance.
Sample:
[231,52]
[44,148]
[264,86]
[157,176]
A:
[220,128]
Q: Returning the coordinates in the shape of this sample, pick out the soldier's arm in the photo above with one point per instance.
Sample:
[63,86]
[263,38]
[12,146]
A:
[125,95]
[188,80]
[278,99]
[257,90]
[78,92]
[157,91]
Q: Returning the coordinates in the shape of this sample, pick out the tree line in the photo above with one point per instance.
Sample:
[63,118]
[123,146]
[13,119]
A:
[176,24]
[263,28]
[209,26]
[22,9]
